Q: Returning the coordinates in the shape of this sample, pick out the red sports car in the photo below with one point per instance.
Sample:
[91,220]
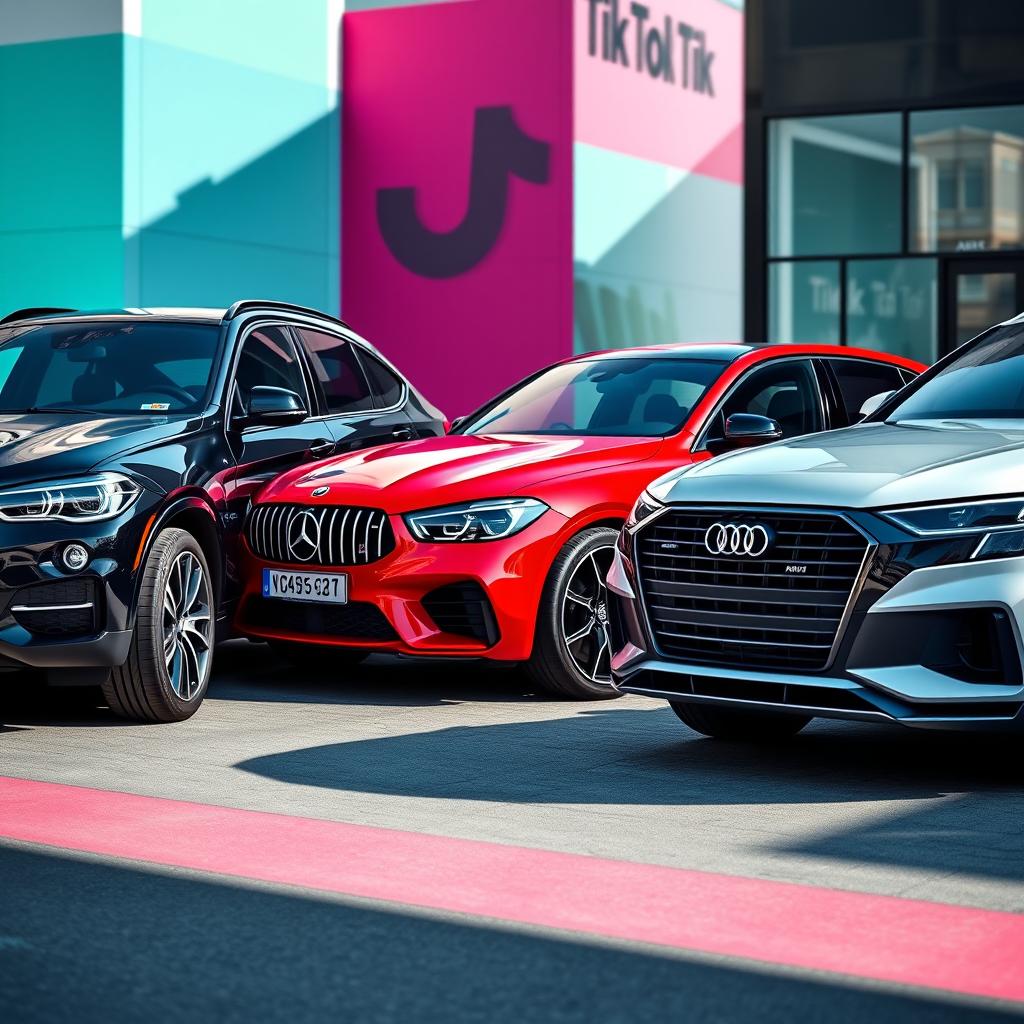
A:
[494,541]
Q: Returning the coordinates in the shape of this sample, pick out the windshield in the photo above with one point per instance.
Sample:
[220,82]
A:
[625,396]
[985,383]
[106,367]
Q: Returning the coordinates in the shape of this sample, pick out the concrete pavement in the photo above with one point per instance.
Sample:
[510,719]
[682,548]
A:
[462,751]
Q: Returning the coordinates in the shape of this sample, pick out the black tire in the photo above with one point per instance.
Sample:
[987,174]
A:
[737,724]
[319,656]
[553,665]
[144,687]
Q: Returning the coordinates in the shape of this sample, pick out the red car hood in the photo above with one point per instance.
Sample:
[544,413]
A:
[444,470]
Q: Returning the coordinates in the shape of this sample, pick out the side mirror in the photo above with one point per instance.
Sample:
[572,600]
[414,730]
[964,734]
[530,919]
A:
[457,422]
[274,407]
[745,430]
[874,403]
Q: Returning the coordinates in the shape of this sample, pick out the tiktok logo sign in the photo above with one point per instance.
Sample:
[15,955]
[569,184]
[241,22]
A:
[501,149]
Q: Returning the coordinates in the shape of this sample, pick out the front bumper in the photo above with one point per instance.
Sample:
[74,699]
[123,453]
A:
[933,640]
[73,626]
[467,600]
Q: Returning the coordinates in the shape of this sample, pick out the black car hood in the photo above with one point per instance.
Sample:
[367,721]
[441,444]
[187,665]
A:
[51,446]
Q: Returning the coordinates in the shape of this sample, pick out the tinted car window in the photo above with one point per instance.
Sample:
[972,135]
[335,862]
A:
[269,359]
[624,396]
[110,367]
[784,391]
[387,387]
[339,372]
[860,380]
[984,382]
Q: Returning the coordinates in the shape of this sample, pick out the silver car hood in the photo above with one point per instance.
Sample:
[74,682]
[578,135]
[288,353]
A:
[871,466]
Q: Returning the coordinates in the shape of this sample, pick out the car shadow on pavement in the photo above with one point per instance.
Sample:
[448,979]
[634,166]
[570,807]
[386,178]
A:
[252,671]
[119,943]
[966,789]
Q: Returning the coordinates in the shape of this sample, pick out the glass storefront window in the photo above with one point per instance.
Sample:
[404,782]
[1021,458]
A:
[803,302]
[835,185]
[965,179]
[983,300]
[891,306]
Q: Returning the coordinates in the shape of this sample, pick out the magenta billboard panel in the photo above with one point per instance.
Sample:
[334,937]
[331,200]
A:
[457,190]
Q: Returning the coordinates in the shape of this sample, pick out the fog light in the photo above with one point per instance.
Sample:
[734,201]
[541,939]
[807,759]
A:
[75,557]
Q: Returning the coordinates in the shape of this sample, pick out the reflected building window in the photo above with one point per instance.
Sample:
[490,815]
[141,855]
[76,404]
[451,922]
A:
[965,179]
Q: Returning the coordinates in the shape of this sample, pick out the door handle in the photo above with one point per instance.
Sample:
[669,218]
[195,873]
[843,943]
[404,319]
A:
[321,448]
[402,433]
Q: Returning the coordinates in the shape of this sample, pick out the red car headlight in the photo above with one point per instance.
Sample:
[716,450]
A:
[475,521]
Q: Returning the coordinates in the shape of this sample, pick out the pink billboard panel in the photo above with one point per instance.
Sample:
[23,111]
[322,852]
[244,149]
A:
[662,80]
[457,190]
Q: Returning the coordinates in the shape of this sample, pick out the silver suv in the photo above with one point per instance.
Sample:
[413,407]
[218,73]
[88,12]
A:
[872,573]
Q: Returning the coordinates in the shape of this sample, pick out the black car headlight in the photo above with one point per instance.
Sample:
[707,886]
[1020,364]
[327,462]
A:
[998,524]
[85,500]
[475,520]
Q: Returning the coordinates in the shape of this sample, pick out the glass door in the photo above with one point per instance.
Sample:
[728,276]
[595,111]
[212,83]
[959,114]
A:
[980,293]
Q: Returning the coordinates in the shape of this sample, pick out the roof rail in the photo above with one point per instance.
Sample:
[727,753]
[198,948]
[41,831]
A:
[31,312]
[248,305]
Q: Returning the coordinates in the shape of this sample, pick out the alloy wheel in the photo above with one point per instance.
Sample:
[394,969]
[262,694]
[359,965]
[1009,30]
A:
[187,625]
[584,618]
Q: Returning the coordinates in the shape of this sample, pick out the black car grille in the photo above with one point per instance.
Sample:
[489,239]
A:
[782,609]
[354,621]
[58,608]
[320,535]
[463,609]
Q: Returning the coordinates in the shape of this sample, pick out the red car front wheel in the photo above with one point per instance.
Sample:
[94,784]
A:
[573,646]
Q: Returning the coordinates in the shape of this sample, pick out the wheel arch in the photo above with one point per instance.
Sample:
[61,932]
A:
[193,514]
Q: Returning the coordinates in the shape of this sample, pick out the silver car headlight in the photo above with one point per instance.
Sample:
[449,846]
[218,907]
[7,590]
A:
[998,524]
[475,520]
[645,507]
[961,518]
[85,500]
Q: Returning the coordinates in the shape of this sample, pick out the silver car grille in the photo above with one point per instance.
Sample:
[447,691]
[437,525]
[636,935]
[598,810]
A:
[782,608]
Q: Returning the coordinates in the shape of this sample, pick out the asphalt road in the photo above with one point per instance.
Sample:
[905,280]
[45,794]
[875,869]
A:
[466,752]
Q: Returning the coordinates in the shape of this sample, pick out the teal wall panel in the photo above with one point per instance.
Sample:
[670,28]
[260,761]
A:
[225,160]
[60,179]
[81,268]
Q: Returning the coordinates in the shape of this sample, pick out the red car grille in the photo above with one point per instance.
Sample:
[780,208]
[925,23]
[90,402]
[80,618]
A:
[320,535]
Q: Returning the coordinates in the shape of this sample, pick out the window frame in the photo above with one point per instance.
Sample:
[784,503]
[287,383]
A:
[758,325]
[702,440]
[843,413]
[233,394]
[363,354]
[326,413]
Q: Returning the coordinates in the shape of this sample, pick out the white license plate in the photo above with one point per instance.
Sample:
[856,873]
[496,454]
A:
[320,587]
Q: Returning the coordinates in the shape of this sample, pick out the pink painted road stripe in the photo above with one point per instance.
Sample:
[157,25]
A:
[958,949]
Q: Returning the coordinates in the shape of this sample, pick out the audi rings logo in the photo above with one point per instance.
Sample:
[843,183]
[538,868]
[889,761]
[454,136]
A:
[739,539]
[304,536]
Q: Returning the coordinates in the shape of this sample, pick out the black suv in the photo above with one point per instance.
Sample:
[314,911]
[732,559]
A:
[131,442]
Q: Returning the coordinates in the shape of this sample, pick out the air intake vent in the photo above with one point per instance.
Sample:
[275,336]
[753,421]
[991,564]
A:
[767,591]
[354,621]
[58,608]
[320,535]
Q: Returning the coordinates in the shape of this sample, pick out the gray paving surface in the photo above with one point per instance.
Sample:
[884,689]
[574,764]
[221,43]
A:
[465,751]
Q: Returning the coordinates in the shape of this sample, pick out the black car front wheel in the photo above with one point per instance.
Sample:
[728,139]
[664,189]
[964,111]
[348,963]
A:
[168,668]
[737,724]
[572,650]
